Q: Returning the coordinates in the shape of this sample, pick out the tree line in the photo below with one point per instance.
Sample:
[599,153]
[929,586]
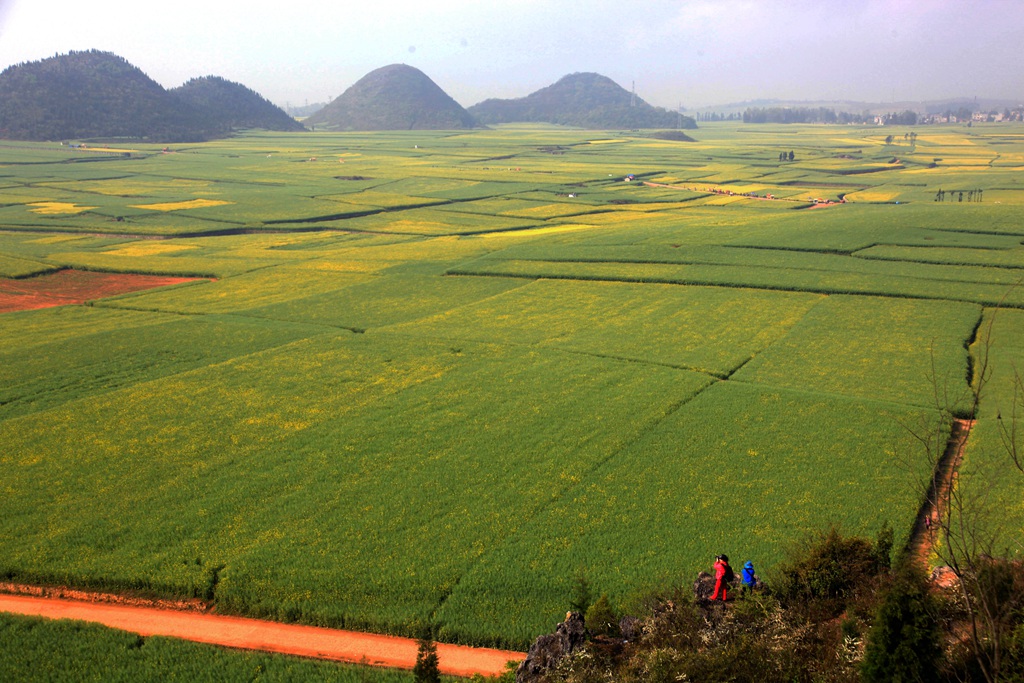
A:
[824,115]
[958,195]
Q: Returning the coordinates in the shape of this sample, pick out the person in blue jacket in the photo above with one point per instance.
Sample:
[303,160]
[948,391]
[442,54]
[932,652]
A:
[747,577]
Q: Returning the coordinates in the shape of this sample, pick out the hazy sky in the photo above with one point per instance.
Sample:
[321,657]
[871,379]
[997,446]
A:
[695,52]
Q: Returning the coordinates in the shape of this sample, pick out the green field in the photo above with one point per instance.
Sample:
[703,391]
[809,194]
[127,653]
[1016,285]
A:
[435,377]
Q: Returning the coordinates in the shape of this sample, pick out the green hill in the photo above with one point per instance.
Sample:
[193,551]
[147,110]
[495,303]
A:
[587,100]
[88,95]
[94,94]
[233,105]
[394,97]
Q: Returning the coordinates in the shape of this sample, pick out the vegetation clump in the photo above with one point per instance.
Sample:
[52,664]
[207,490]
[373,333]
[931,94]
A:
[903,643]
[672,136]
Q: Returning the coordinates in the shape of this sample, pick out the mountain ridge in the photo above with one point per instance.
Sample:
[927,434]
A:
[583,99]
[93,94]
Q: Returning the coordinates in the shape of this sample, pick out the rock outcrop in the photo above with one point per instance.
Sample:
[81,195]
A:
[547,651]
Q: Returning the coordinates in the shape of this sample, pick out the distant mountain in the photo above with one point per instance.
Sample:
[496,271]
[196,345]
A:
[305,109]
[232,105]
[394,97]
[88,95]
[93,94]
[588,100]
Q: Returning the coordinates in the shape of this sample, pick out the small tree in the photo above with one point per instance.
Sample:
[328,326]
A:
[426,669]
[581,595]
[601,619]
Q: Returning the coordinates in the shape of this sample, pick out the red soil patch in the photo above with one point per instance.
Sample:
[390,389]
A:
[66,287]
[254,634]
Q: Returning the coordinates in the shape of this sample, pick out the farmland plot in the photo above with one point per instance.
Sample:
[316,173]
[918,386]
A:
[699,482]
[707,330]
[878,348]
[322,492]
[428,385]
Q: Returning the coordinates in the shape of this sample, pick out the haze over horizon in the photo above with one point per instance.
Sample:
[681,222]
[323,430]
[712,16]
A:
[695,52]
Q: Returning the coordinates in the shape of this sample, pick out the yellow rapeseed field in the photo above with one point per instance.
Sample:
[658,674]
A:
[56,208]
[150,249]
[187,204]
[536,232]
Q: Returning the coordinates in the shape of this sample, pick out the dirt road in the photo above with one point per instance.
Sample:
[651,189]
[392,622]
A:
[254,634]
[922,538]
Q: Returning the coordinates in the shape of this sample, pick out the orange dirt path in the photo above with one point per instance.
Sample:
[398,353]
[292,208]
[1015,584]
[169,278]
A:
[922,538]
[268,636]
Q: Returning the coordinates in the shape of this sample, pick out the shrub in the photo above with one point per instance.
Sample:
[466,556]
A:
[601,619]
[903,643]
[822,574]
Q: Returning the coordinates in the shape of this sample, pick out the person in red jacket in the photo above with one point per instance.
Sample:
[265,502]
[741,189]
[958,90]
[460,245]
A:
[723,575]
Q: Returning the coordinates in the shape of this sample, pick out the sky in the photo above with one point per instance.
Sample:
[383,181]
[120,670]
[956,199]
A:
[693,53]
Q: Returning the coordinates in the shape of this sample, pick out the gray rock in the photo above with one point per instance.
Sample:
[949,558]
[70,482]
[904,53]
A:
[547,651]
[631,628]
[704,586]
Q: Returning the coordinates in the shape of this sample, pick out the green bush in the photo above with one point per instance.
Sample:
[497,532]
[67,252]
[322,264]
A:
[903,643]
[824,573]
[601,619]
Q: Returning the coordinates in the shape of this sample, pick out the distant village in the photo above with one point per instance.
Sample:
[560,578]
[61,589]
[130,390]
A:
[908,117]
[966,116]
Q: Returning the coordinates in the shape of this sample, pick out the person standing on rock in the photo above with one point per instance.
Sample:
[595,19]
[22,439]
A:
[723,575]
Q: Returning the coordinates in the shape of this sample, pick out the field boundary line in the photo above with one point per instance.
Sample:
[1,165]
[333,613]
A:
[693,282]
[807,269]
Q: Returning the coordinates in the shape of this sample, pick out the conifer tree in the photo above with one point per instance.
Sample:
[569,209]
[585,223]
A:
[426,669]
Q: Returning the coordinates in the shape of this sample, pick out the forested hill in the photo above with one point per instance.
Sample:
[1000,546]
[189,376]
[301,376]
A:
[93,94]
[588,100]
[394,97]
[233,105]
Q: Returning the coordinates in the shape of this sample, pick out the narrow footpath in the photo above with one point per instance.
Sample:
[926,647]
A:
[922,538]
[255,634]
